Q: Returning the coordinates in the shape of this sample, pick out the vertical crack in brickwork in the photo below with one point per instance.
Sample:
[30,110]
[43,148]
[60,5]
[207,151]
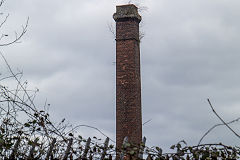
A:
[128,79]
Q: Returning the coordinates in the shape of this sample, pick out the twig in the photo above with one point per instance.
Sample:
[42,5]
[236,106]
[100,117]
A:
[111,29]
[17,38]
[83,125]
[4,21]
[12,76]
[147,122]
[221,124]
[222,119]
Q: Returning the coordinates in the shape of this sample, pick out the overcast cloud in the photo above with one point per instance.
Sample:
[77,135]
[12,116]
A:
[190,52]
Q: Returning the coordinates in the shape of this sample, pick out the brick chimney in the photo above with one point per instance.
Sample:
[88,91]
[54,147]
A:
[128,80]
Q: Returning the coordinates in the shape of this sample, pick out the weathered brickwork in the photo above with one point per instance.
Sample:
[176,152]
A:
[128,79]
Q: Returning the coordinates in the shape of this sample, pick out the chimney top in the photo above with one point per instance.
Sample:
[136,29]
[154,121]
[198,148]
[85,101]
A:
[126,11]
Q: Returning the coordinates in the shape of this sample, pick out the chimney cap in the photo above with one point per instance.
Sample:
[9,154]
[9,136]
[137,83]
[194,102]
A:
[126,11]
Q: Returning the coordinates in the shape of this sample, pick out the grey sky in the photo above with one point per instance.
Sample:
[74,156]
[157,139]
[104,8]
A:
[190,52]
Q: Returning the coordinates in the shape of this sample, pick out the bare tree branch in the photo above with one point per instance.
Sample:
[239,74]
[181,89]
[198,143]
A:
[4,21]
[217,125]
[111,29]
[147,122]
[83,125]
[222,119]
[17,37]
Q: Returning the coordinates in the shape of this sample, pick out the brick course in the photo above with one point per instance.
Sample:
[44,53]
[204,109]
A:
[128,80]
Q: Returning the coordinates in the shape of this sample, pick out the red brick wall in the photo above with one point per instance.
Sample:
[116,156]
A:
[128,82]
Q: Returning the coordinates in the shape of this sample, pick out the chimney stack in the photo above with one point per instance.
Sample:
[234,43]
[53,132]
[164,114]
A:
[128,79]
